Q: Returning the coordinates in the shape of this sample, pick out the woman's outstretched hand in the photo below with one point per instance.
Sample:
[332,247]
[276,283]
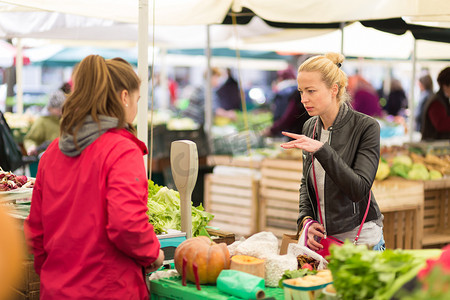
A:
[301,142]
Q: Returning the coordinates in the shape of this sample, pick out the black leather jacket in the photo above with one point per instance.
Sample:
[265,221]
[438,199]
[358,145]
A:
[350,160]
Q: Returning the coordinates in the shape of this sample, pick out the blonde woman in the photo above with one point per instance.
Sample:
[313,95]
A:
[88,228]
[341,149]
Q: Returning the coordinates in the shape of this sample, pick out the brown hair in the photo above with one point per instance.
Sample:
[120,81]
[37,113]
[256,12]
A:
[427,82]
[96,91]
[444,77]
[329,66]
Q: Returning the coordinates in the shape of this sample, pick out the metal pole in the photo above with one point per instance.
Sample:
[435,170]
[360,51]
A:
[142,123]
[208,90]
[411,92]
[341,27]
[19,76]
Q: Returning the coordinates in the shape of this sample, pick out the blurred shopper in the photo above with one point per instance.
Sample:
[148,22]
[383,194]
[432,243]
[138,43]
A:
[396,100]
[196,106]
[341,151]
[289,114]
[88,228]
[436,111]
[46,128]
[426,91]
[228,94]
[364,97]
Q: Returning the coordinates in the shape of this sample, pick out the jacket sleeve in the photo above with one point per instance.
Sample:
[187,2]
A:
[438,116]
[34,231]
[128,227]
[305,209]
[356,180]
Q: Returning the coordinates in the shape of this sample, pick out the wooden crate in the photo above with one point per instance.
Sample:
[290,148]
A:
[234,202]
[436,212]
[400,229]
[220,236]
[30,280]
[401,202]
[18,295]
[279,195]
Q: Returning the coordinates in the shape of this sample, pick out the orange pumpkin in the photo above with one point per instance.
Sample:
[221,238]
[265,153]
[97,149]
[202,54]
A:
[211,259]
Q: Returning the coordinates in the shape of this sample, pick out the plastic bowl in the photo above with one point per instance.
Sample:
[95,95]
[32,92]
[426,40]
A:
[295,292]
[328,295]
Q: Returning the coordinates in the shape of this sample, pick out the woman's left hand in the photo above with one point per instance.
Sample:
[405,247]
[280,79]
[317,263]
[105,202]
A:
[301,142]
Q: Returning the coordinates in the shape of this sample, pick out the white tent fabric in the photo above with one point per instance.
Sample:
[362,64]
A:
[194,12]
[359,41]
[7,54]
[170,12]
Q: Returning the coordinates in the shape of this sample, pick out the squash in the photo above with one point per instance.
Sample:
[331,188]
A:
[248,264]
[211,259]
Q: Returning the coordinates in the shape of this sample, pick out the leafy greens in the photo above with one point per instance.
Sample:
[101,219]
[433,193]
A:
[164,211]
[360,273]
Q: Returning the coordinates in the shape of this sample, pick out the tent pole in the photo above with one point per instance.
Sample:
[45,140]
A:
[411,92]
[163,80]
[208,91]
[142,123]
[19,76]
[341,27]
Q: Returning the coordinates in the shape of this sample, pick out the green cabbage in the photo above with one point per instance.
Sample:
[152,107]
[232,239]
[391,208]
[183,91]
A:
[401,165]
[402,159]
[435,174]
[418,172]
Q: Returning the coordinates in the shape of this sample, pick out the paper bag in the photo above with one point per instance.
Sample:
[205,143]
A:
[286,240]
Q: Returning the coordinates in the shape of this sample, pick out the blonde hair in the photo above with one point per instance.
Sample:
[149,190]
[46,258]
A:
[329,66]
[98,83]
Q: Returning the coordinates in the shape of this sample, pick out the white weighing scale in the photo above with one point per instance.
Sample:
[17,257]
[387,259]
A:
[184,165]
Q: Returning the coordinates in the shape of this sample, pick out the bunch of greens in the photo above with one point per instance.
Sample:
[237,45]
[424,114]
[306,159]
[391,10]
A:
[164,211]
[360,273]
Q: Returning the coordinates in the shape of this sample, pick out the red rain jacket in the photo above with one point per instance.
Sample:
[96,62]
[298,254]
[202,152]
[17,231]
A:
[88,228]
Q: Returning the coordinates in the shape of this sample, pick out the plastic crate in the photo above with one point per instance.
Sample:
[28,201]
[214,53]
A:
[169,242]
[171,288]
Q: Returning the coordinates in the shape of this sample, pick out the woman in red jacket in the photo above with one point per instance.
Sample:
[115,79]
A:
[88,228]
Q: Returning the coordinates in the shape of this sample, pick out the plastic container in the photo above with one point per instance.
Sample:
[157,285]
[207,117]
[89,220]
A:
[170,241]
[295,292]
[329,295]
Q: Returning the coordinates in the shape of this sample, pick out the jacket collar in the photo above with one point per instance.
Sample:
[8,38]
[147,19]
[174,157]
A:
[129,135]
[341,118]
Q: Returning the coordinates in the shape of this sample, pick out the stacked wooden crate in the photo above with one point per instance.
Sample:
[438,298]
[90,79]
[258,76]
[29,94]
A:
[279,195]
[436,213]
[233,200]
[28,288]
[401,202]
